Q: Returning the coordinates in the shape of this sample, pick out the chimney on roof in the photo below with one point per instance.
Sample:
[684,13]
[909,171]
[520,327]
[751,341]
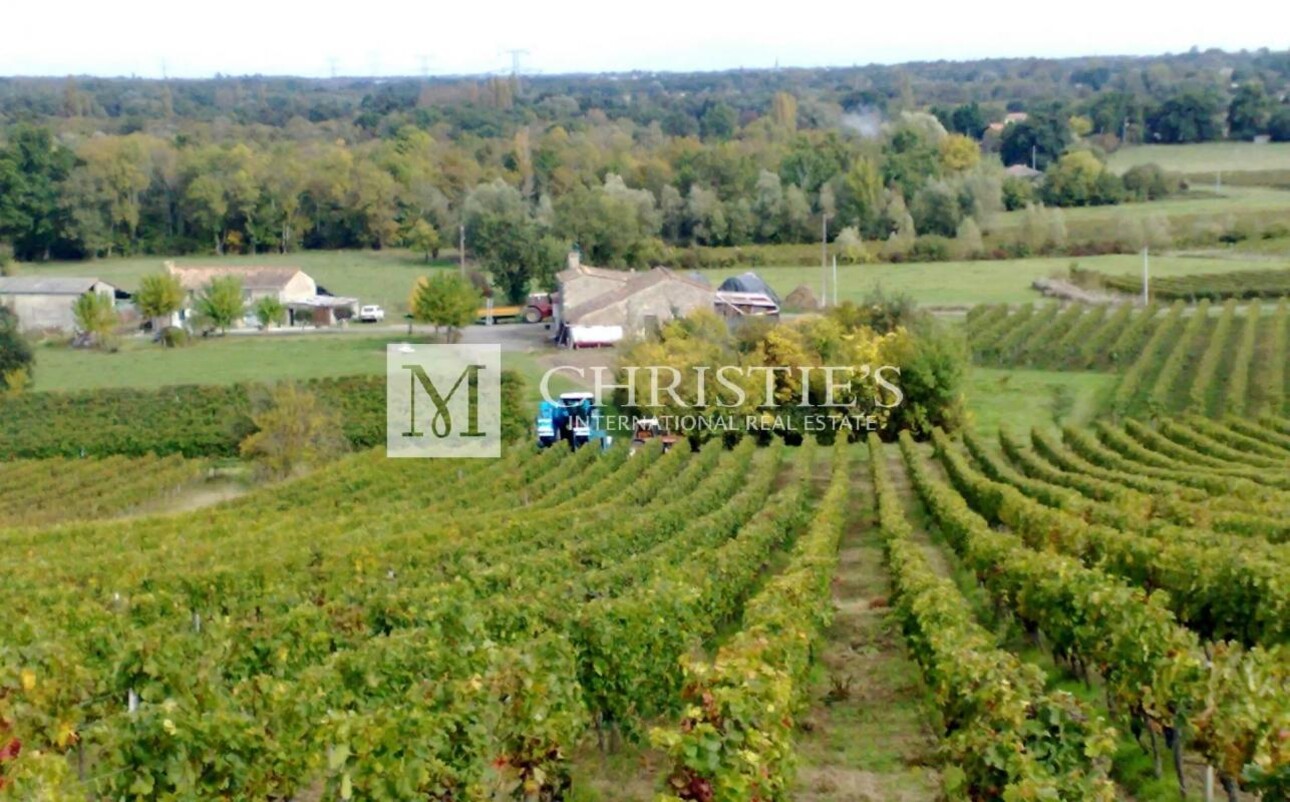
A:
[575,258]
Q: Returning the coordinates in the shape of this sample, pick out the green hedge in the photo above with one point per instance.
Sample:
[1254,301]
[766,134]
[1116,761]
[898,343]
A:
[193,420]
[197,420]
[1238,284]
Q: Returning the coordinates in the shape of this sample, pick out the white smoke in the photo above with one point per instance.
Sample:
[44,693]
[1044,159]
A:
[866,121]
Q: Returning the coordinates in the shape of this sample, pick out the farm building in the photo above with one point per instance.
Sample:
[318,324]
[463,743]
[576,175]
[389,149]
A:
[304,300]
[580,283]
[45,304]
[597,306]
[287,284]
[632,305]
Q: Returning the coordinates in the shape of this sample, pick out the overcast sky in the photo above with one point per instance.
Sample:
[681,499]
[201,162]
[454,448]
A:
[387,37]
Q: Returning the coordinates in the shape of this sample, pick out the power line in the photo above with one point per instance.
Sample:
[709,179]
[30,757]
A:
[516,54]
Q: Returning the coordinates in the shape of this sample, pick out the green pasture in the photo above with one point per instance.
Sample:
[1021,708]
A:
[1205,157]
[969,283]
[1202,205]
[231,359]
[1020,400]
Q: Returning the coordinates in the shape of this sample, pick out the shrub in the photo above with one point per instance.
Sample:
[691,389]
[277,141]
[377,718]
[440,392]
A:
[932,367]
[174,337]
[1279,125]
[160,295]
[1080,179]
[269,311]
[1276,231]
[16,357]
[292,431]
[1234,232]
[930,248]
[220,305]
[1018,193]
[968,239]
[879,311]
[445,299]
[96,319]
[850,246]
[1149,182]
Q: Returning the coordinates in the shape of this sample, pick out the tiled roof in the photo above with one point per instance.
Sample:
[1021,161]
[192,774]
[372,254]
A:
[253,277]
[636,283]
[571,273]
[46,285]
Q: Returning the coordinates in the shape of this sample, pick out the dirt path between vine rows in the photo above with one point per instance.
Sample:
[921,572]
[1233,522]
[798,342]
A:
[868,737]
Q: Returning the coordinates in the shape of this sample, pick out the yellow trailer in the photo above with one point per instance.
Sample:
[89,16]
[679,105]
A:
[538,308]
[498,313]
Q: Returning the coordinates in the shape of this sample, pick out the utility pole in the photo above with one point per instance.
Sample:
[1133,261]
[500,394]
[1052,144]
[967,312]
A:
[461,248]
[1146,277]
[1033,160]
[835,279]
[824,258]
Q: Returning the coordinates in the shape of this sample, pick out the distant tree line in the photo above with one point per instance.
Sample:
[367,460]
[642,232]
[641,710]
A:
[626,166]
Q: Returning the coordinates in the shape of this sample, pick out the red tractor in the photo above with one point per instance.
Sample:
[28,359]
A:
[540,307]
[537,308]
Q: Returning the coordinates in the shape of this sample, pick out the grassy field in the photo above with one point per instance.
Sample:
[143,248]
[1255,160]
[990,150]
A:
[1183,210]
[227,360]
[381,277]
[1022,399]
[216,361]
[967,283]
[1205,157]
[1017,398]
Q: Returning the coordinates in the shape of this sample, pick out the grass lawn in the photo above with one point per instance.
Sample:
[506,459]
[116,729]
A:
[381,277]
[1181,210]
[222,360]
[968,283]
[227,360]
[1022,399]
[1205,157]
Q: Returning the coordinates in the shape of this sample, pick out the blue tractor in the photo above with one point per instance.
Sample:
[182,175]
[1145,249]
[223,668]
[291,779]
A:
[575,419]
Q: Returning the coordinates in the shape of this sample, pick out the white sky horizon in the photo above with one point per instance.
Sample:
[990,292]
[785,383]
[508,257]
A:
[152,38]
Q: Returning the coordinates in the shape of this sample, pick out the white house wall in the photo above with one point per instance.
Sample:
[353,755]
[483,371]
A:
[299,288]
[50,312]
